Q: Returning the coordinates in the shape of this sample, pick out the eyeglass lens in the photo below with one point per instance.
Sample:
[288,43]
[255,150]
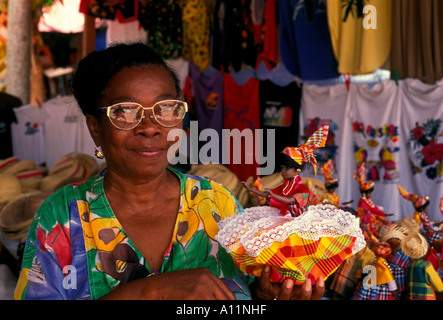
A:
[129,115]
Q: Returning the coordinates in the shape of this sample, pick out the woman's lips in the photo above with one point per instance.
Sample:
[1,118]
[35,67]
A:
[149,152]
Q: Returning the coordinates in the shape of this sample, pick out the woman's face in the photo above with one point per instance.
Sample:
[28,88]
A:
[142,151]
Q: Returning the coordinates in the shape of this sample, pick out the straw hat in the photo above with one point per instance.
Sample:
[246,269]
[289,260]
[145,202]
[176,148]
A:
[6,163]
[414,245]
[20,166]
[393,232]
[10,189]
[30,179]
[16,217]
[66,170]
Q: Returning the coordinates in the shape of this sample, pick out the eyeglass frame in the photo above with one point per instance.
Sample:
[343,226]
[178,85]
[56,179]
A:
[151,116]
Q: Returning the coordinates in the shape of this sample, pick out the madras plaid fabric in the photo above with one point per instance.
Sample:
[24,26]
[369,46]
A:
[305,152]
[345,278]
[298,258]
[400,259]
[423,280]
[378,292]
[399,274]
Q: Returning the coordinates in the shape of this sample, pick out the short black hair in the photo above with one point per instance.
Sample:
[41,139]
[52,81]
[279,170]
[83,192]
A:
[288,162]
[96,70]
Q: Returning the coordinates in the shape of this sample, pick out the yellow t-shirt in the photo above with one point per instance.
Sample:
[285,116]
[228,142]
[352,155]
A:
[361,42]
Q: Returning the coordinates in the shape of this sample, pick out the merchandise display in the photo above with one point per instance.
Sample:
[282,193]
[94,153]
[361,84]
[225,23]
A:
[340,101]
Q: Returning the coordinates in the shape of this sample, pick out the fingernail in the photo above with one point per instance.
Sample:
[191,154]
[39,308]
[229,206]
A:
[321,282]
[289,284]
[308,285]
[267,269]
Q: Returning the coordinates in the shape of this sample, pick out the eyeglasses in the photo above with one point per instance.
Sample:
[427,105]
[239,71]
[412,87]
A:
[128,115]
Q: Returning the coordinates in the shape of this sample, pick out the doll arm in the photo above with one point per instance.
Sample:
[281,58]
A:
[255,191]
[433,278]
[287,200]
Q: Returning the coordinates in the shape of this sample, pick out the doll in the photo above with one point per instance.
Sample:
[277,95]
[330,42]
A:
[309,244]
[293,196]
[331,185]
[398,261]
[420,205]
[423,280]
[385,286]
[372,217]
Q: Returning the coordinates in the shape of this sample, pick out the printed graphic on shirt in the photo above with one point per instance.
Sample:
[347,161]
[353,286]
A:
[277,115]
[31,128]
[425,142]
[379,148]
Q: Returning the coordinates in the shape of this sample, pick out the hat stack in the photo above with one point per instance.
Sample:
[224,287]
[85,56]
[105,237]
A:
[26,171]
[73,167]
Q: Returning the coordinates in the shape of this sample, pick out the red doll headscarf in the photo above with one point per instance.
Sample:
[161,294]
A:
[305,152]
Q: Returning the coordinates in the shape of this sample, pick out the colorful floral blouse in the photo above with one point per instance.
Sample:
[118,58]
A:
[77,249]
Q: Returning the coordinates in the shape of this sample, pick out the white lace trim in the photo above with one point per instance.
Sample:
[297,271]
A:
[257,228]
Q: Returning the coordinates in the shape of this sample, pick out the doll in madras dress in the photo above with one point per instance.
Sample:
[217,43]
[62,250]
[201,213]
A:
[385,286]
[420,204]
[331,185]
[423,281]
[372,217]
[293,196]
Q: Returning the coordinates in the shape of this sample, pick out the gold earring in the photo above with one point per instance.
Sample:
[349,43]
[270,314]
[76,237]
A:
[98,154]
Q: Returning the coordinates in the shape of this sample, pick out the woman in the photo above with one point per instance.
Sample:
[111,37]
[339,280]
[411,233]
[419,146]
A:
[139,229]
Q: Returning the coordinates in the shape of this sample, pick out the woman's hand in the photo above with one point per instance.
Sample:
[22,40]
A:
[267,290]
[190,284]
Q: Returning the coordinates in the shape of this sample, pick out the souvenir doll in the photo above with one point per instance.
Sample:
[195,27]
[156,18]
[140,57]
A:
[434,254]
[398,261]
[331,185]
[423,280]
[372,217]
[347,276]
[381,284]
[293,196]
[307,245]
[420,205]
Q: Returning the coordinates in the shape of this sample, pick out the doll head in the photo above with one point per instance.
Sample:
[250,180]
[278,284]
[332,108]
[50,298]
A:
[382,249]
[420,203]
[289,168]
[305,152]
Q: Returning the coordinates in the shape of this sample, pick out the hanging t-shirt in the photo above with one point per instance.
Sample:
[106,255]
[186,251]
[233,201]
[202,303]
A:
[279,111]
[60,128]
[360,34]
[241,111]
[327,105]
[232,36]
[268,47]
[305,40]
[417,30]
[375,114]
[124,32]
[28,133]
[196,33]
[422,131]
[162,19]
[208,101]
